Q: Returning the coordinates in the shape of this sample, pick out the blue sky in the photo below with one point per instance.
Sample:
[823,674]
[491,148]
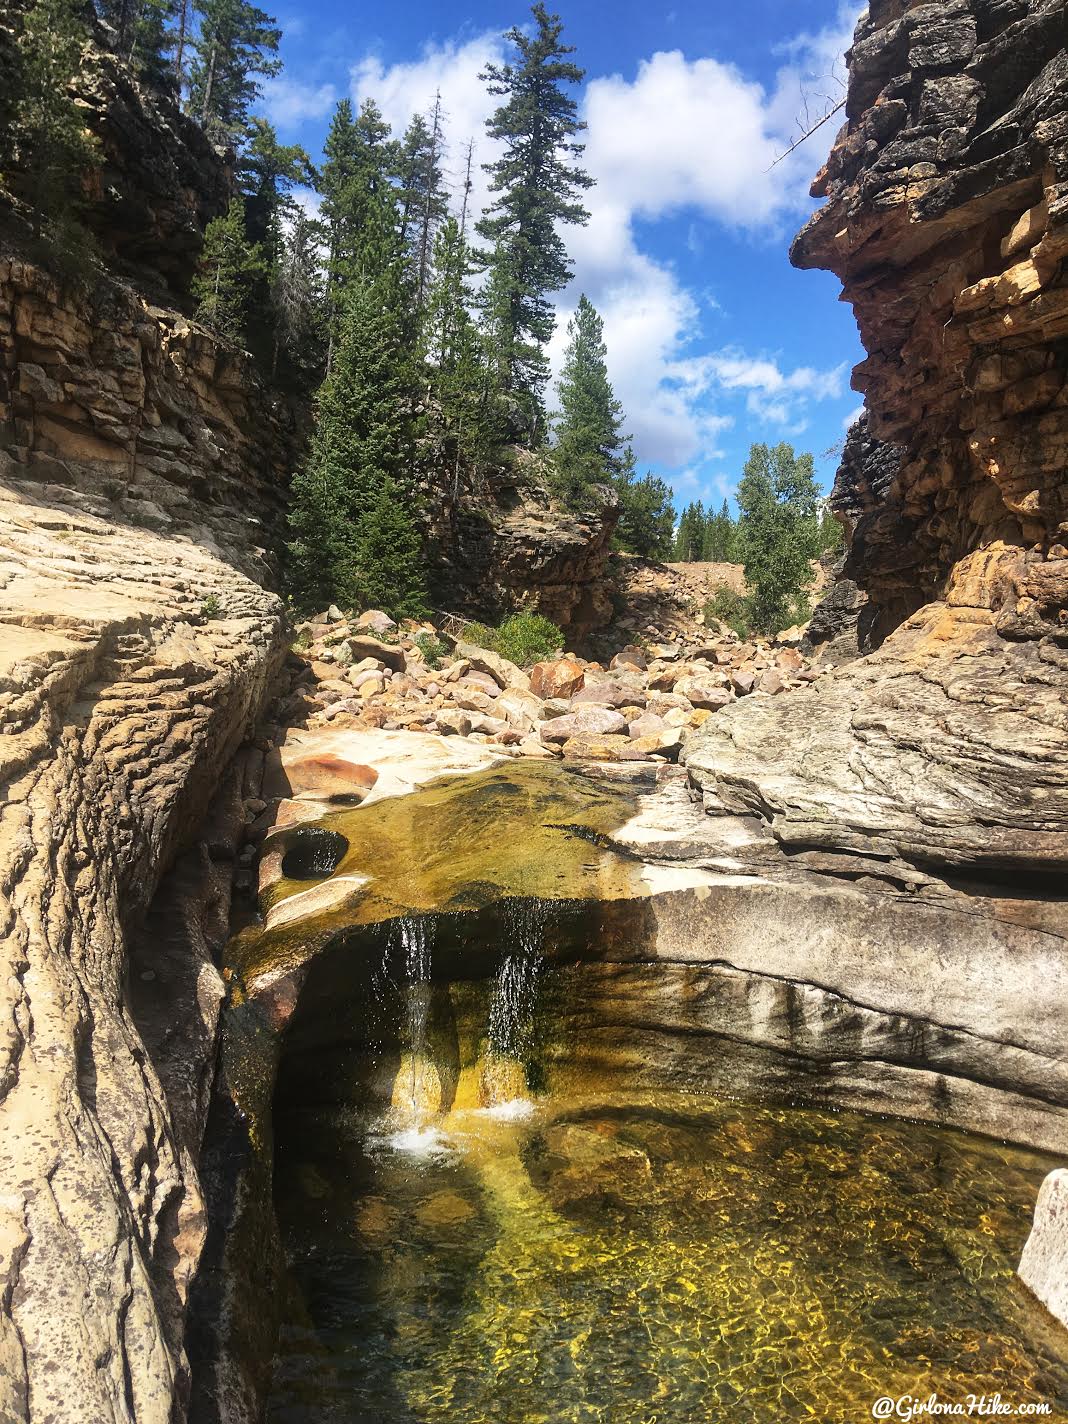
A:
[714,341]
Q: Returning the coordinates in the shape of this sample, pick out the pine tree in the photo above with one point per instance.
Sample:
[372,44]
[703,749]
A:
[689,541]
[297,300]
[422,199]
[719,537]
[143,35]
[538,186]
[778,532]
[359,203]
[646,518]
[267,173]
[362,438]
[229,271]
[52,153]
[389,563]
[454,350]
[589,439]
[235,46]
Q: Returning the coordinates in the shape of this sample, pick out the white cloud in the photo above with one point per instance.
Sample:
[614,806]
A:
[852,418]
[289,102]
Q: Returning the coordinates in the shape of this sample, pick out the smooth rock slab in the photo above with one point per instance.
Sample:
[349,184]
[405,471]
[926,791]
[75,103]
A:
[1044,1263]
[591,721]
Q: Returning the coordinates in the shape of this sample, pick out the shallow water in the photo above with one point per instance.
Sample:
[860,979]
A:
[652,1261]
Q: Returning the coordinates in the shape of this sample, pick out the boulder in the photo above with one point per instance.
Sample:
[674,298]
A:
[594,721]
[743,682]
[504,673]
[1044,1263]
[452,722]
[375,621]
[481,682]
[559,677]
[770,682]
[471,700]
[610,694]
[520,709]
[390,655]
[630,657]
[592,746]
[647,725]
[712,698]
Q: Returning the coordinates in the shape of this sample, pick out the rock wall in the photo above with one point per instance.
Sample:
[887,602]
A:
[947,221]
[138,416]
[141,486]
[496,542]
[932,772]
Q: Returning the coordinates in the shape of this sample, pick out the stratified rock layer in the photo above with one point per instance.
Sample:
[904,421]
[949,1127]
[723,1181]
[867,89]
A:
[947,221]
[933,773]
[140,467]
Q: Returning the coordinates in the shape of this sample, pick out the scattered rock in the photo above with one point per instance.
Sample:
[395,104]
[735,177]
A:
[591,721]
[561,677]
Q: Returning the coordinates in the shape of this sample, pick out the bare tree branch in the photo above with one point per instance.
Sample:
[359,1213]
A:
[807,134]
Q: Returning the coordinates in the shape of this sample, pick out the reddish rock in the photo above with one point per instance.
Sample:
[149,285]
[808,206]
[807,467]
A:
[743,682]
[611,694]
[324,777]
[559,677]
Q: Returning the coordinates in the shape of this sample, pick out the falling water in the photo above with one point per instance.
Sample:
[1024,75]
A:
[417,1089]
[511,1012]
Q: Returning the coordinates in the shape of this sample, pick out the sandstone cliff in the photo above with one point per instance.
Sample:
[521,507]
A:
[933,772]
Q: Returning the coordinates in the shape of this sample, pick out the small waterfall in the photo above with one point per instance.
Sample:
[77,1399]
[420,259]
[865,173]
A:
[417,1089]
[512,1005]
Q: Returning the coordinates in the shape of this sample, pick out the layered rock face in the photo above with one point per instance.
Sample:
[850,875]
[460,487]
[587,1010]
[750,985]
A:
[947,221]
[495,541]
[138,416]
[141,490]
[932,773]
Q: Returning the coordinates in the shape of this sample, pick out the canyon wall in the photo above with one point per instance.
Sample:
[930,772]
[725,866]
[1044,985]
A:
[143,469]
[142,481]
[930,777]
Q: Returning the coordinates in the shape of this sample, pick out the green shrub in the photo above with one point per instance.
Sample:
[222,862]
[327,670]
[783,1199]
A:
[523,638]
[211,607]
[432,648]
[730,608]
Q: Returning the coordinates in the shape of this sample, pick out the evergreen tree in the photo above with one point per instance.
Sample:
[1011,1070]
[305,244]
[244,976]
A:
[235,46]
[538,187]
[359,203]
[267,173]
[297,301]
[778,532]
[362,439]
[720,537]
[389,563]
[143,34]
[422,199]
[646,518]
[52,153]
[690,538]
[453,347]
[229,271]
[589,440]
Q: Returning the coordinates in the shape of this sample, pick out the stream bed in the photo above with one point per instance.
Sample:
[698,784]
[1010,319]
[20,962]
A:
[659,1259]
[523,1173]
